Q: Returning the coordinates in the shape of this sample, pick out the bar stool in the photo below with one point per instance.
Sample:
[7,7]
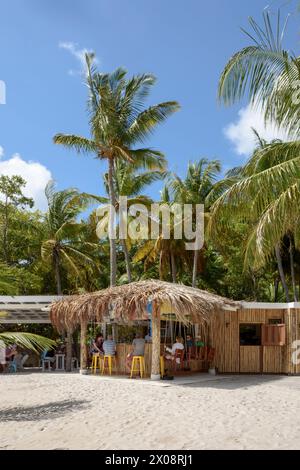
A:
[162,366]
[96,362]
[107,363]
[140,362]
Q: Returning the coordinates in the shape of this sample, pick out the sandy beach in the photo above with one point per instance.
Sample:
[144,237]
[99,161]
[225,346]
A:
[69,411]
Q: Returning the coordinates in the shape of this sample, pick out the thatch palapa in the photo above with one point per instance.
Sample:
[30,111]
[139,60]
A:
[128,303]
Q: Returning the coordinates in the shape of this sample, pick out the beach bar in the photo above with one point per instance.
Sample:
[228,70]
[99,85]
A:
[129,304]
[246,337]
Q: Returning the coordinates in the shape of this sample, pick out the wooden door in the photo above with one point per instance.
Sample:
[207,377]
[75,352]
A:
[251,359]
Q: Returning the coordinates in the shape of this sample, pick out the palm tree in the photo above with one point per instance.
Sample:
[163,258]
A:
[129,182]
[63,246]
[119,121]
[270,75]
[267,198]
[169,251]
[198,187]
[7,280]
[29,341]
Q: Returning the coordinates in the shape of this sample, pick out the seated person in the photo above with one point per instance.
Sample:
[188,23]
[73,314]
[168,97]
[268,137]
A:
[138,349]
[20,359]
[97,345]
[109,346]
[176,346]
[199,342]
[148,338]
[189,341]
[9,354]
[48,354]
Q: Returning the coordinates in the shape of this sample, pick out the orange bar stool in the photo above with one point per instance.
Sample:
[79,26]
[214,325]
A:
[138,365]
[96,362]
[108,363]
[162,366]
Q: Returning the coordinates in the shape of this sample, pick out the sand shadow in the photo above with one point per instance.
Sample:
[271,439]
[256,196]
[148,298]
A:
[235,382]
[36,413]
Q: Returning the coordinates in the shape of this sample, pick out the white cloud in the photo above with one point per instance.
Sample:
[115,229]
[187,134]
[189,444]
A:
[1,151]
[36,175]
[79,54]
[240,133]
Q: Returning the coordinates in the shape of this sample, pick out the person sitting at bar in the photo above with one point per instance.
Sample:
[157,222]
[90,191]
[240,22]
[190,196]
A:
[189,341]
[97,345]
[20,358]
[138,349]
[176,346]
[109,346]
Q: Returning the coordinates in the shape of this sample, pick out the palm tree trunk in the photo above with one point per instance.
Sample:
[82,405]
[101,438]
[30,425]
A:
[69,333]
[5,231]
[127,259]
[112,241]
[57,274]
[293,269]
[173,268]
[281,272]
[69,344]
[276,286]
[195,268]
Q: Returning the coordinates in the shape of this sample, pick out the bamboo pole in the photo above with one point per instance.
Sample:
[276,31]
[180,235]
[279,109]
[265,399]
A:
[83,350]
[69,351]
[155,365]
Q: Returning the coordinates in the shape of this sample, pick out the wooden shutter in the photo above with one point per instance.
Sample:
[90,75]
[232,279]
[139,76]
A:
[273,335]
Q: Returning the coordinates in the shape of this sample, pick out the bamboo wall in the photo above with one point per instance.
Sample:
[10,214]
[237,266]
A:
[230,357]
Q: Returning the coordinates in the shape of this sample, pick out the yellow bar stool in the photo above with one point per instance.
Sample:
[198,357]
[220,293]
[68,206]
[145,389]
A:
[96,362]
[108,363]
[138,365]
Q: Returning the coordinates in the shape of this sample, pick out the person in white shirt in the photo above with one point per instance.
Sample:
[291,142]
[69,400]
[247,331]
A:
[176,346]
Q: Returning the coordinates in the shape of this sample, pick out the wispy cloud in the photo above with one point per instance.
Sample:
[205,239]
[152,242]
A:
[240,132]
[79,55]
[1,151]
[35,174]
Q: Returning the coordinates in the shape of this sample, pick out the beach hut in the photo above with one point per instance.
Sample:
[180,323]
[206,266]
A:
[257,338]
[138,302]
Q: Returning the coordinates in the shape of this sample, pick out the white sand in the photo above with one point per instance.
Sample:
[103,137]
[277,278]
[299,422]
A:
[69,411]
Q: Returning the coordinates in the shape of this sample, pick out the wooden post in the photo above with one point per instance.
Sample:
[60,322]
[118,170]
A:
[69,351]
[83,350]
[155,366]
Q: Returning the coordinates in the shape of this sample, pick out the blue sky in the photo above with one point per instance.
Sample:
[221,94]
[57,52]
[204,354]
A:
[184,43]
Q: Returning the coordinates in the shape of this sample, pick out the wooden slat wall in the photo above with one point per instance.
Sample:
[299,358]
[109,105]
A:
[217,331]
[225,339]
[250,359]
[273,359]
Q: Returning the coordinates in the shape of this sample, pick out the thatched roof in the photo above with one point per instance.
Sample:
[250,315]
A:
[129,302]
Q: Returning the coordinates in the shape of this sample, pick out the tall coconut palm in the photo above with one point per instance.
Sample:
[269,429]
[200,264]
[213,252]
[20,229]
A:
[270,77]
[63,246]
[169,252]
[267,197]
[198,187]
[129,182]
[119,121]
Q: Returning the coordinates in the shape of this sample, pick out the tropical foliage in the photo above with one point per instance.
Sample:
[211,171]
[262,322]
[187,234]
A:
[252,238]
